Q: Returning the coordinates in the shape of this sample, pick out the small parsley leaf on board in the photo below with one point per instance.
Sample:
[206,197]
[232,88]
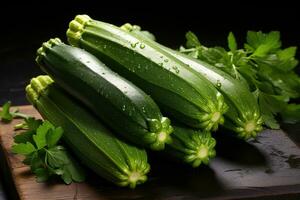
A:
[7,116]
[23,148]
[39,143]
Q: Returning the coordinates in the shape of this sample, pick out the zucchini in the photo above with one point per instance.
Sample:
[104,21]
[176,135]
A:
[121,105]
[110,157]
[191,146]
[243,116]
[179,90]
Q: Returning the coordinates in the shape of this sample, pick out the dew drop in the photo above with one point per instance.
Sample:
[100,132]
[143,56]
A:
[218,84]
[133,45]
[142,46]
[176,69]
[123,107]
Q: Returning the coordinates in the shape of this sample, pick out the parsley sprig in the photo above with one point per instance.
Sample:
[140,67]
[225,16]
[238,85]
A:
[263,65]
[7,116]
[43,153]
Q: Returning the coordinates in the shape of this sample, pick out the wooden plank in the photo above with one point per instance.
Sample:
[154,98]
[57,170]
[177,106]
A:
[263,169]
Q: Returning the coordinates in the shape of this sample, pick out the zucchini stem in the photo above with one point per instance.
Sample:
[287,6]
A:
[160,133]
[250,129]
[200,149]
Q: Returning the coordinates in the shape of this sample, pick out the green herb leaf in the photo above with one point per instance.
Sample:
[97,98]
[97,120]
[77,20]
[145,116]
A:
[24,149]
[56,157]
[270,42]
[24,137]
[192,40]
[48,158]
[232,45]
[41,132]
[75,170]
[42,174]
[5,114]
[31,124]
[53,136]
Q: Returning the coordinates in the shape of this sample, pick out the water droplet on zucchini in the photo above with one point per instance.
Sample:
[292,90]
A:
[142,46]
[219,84]
[133,45]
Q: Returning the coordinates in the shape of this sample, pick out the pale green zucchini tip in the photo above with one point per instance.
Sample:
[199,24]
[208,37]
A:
[41,52]
[160,133]
[76,27]
[36,86]
[211,121]
[134,178]
[249,129]
[200,150]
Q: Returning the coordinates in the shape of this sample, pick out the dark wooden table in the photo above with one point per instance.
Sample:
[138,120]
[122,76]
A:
[265,168]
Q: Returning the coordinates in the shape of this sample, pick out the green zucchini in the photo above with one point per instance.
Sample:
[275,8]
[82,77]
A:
[110,157]
[191,146]
[243,115]
[121,105]
[179,90]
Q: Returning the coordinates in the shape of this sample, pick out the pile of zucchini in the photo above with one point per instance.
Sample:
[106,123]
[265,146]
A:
[117,93]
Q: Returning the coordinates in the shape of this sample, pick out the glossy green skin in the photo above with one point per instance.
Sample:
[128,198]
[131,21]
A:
[186,144]
[177,88]
[243,107]
[243,104]
[92,142]
[120,104]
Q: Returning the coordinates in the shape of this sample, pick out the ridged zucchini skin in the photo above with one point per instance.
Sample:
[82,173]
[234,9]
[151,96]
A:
[191,146]
[110,157]
[120,104]
[243,115]
[179,90]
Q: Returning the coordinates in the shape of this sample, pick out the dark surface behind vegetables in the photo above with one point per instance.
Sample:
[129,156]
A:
[24,27]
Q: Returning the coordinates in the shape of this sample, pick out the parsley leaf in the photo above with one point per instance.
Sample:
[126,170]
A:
[232,45]
[261,44]
[192,40]
[43,153]
[23,148]
[7,116]
[53,136]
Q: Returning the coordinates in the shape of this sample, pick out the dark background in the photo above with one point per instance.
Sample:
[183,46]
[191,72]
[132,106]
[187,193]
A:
[24,27]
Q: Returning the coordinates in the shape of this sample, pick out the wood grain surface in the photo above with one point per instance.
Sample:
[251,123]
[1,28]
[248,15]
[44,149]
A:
[266,168]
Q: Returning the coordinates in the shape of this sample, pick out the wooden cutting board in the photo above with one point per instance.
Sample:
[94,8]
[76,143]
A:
[267,168]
